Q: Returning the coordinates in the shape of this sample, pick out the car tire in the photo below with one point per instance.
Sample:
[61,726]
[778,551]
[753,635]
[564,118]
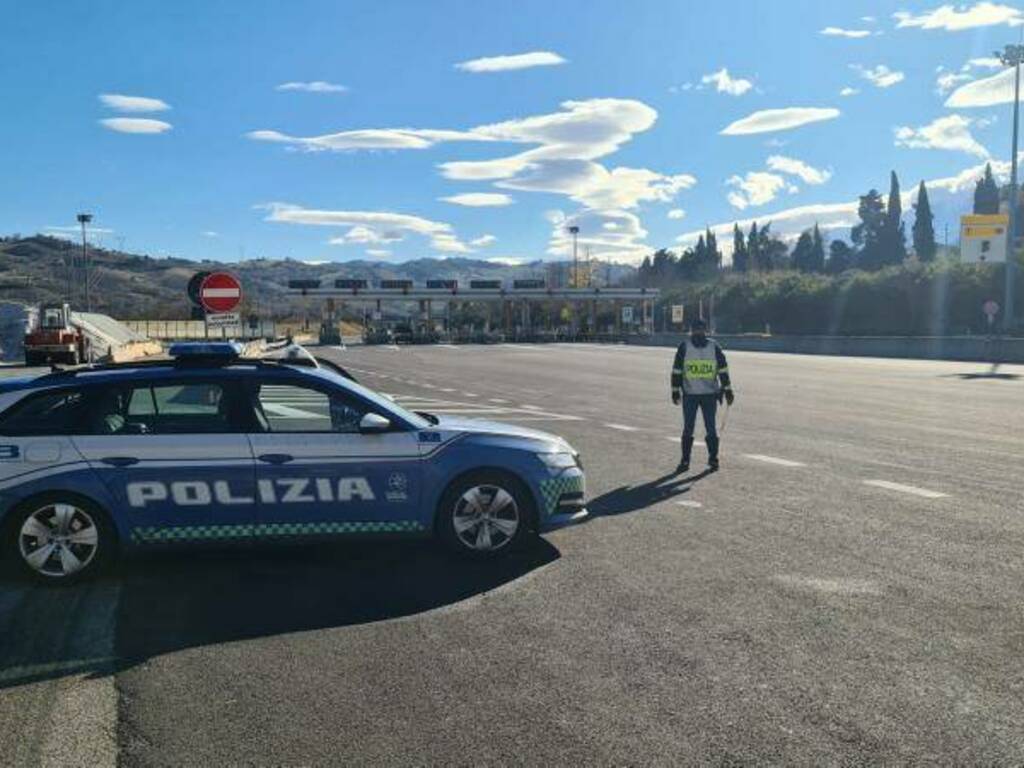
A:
[485,515]
[59,538]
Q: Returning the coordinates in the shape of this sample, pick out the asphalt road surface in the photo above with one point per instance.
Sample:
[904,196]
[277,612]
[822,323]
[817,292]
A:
[847,589]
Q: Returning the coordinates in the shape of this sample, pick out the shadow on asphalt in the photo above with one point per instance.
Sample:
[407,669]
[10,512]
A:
[987,375]
[633,498]
[171,601]
[991,373]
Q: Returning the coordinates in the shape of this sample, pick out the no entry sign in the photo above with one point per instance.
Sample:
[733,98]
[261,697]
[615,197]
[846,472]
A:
[220,292]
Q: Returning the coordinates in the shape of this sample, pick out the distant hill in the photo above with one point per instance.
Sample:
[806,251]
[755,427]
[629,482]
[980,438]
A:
[133,286]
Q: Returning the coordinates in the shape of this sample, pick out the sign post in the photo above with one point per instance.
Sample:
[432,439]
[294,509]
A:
[677,314]
[991,309]
[220,293]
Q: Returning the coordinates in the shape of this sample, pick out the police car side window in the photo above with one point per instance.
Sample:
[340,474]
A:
[293,408]
[48,413]
[172,408]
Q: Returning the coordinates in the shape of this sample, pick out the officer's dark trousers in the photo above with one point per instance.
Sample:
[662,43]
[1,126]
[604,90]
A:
[708,405]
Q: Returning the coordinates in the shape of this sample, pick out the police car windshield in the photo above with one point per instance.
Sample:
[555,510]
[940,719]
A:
[384,403]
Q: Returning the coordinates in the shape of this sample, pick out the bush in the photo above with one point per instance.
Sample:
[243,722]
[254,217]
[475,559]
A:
[939,298]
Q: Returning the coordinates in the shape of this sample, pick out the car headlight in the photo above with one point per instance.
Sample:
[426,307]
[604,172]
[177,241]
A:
[560,460]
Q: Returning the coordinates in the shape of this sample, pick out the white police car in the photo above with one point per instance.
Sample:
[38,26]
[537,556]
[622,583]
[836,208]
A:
[212,447]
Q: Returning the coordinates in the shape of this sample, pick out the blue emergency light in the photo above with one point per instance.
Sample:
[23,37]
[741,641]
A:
[208,349]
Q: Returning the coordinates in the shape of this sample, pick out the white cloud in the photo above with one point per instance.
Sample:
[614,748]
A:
[951,132]
[479,199]
[483,241]
[966,179]
[516,61]
[947,81]
[367,236]
[766,120]
[369,226]
[880,76]
[77,230]
[122,103]
[312,86]
[676,213]
[951,19]
[378,253]
[562,159]
[840,32]
[594,186]
[210,233]
[365,139]
[135,125]
[725,84]
[794,167]
[755,188]
[622,242]
[868,19]
[986,92]
[509,261]
[789,223]
[848,91]
[786,223]
[984,62]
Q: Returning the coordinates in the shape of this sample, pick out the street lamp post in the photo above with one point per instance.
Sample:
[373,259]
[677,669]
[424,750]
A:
[83,219]
[1012,56]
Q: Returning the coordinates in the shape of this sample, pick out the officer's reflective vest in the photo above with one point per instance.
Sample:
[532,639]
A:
[700,369]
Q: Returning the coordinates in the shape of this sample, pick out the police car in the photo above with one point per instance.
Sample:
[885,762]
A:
[209,446]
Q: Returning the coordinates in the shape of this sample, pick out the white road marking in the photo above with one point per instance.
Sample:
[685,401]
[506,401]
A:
[496,400]
[911,489]
[688,503]
[774,460]
[621,427]
[447,389]
[470,394]
[530,407]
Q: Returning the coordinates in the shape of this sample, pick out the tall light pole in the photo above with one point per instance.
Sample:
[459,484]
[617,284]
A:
[83,219]
[1012,56]
[574,231]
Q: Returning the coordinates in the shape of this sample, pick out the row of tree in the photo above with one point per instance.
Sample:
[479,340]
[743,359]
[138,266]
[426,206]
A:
[878,241]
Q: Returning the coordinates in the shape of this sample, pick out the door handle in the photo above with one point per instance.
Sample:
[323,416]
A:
[119,461]
[275,458]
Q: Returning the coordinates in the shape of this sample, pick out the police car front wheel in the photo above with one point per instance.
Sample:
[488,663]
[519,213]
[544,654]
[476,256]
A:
[60,539]
[484,515]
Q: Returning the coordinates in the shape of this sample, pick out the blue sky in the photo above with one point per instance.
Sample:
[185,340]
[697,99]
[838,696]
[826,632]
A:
[335,130]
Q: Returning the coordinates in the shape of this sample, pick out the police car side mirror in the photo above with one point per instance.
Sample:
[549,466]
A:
[373,423]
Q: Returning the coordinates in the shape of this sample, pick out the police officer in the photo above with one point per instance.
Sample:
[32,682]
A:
[700,376]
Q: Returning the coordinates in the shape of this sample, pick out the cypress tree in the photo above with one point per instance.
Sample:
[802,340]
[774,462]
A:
[924,231]
[986,193]
[802,252]
[753,248]
[817,257]
[895,239]
[740,257]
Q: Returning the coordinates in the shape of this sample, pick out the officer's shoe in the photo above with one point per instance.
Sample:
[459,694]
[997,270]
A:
[713,464]
[683,466]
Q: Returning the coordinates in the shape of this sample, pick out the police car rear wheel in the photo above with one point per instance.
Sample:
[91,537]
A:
[484,515]
[61,539]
